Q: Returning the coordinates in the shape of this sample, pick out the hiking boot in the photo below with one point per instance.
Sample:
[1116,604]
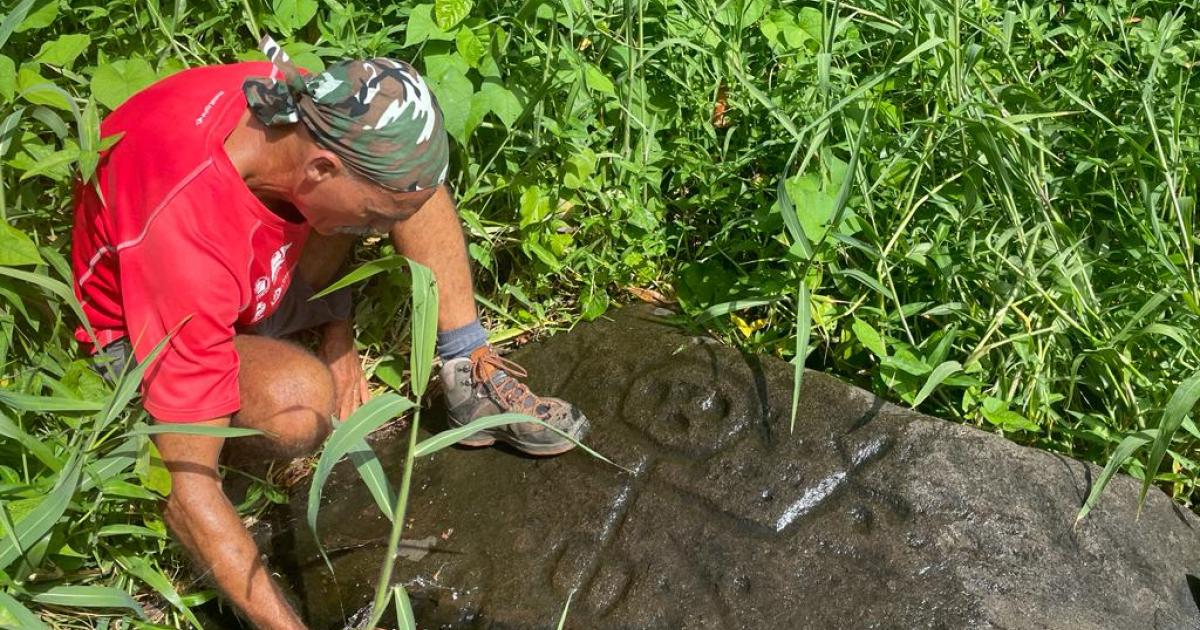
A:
[485,384]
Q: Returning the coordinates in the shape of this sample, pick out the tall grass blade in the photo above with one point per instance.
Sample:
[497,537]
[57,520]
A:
[1124,450]
[129,380]
[119,459]
[29,402]
[348,436]
[39,522]
[562,620]
[59,289]
[732,306]
[189,429]
[453,436]
[424,326]
[25,619]
[10,430]
[144,571]
[803,332]
[370,470]
[404,612]
[384,582]
[363,272]
[939,374]
[88,597]
[15,16]
[1178,407]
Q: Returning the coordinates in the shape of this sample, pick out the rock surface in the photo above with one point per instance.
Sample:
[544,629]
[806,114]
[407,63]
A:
[867,516]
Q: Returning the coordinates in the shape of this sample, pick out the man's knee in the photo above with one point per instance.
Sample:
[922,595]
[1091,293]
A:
[287,393]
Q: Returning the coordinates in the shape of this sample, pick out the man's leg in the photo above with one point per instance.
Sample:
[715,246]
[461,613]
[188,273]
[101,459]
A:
[477,382]
[287,393]
[434,238]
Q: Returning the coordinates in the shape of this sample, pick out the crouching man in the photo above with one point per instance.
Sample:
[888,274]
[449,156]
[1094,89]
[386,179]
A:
[233,192]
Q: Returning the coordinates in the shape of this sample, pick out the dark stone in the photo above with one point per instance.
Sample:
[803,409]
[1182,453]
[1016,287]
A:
[867,516]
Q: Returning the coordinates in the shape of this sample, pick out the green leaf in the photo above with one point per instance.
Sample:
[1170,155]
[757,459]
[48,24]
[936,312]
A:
[404,611]
[41,16]
[449,437]
[389,263]
[113,83]
[534,208]
[63,51]
[939,374]
[8,80]
[127,382]
[447,77]
[88,597]
[36,89]
[596,81]
[304,56]
[1178,407]
[141,568]
[116,462]
[53,165]
[15,17]
[448,13]
[16,248]
[191,429]
[803,332]
[43,453]
[345,437]
[562,619]
[996,411]
[370,470]
[293,14]
[421,27]
[63,292]
[725,308]
[905,361]
[39,522]
[17,615]
[30,402]
[424,326]
[869,338]
[469,46]
[1122,453]
[502,102]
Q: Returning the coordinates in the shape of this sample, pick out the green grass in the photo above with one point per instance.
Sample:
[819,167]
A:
[984,209]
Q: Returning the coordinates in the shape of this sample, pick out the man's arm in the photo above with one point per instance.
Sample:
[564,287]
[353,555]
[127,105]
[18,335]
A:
[204,521]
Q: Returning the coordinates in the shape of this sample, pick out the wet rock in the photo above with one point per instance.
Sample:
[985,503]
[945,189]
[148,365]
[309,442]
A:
[867,516]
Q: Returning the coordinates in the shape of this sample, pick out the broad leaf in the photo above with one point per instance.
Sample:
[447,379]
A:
[16,248]
[113,83]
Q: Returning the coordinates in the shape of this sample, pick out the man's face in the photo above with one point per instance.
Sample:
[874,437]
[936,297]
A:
[334,201]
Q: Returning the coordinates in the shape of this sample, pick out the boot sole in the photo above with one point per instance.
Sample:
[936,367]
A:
[540,450]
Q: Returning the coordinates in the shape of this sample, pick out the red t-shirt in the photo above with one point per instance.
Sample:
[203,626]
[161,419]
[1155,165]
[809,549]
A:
[177,235]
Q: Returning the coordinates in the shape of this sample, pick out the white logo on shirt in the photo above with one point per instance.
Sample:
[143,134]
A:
[277,261]
[264,284]
[208,108]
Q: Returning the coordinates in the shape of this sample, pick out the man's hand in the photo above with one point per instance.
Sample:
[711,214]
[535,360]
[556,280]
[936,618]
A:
[338,352]
[206,524]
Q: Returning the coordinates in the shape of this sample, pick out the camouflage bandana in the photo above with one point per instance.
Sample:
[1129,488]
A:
[377,115]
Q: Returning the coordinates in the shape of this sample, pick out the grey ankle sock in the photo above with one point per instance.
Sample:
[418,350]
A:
[461,342]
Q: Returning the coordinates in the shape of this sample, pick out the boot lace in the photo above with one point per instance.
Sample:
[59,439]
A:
[512,394]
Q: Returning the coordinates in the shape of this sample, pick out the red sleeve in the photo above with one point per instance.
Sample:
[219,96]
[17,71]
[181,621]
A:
[176,272]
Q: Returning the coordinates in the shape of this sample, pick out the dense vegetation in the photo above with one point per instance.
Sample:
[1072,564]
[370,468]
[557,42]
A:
[983,209]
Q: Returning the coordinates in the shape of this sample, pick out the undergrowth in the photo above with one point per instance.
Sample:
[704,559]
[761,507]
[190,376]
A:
[985,210]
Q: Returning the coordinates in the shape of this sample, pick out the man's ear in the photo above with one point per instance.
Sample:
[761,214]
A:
[322,166]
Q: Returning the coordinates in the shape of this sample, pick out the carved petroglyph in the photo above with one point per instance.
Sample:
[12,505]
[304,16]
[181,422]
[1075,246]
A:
[867,515]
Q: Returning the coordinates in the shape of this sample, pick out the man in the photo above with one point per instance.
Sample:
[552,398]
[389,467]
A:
[198,229]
